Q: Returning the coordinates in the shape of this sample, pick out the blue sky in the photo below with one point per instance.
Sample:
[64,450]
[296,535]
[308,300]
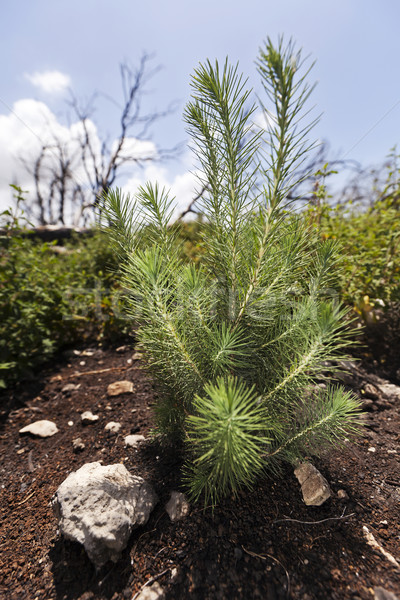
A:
[355,44]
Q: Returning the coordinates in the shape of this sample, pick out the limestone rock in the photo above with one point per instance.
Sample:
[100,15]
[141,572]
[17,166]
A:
[342,495]
[133,440]
[42,428]
[98,506]
[151,592]
[121,349]
[390,391]
[113,427]
[382,594]
[314,486]
[120,387]
[70,387]
[177,506]
[78,445]
[377,546]
[88,417]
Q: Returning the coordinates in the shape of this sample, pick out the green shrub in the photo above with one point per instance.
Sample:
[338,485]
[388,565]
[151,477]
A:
[49,300]
[236,341]
[370,238]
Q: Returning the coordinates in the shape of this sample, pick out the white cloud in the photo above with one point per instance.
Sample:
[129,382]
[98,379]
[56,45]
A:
[264,120]
[31,125]
[181,186]
[28,128]
[135,149]
[49,82]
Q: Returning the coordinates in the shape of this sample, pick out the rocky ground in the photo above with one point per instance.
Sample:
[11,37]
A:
[264,544]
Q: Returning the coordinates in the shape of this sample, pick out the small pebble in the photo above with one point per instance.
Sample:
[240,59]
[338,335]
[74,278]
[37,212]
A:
[342,495]
[88,417]
[371,449]
[113,427]
[78,445]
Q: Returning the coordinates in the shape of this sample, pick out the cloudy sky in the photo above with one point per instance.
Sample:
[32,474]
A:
[51,47]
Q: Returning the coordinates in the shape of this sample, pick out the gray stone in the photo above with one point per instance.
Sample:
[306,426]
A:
[42,428]
[113,427]
[177,506]
[120,387]
[70,387]
[122,349]
[382,594]
[377,546]
[371,391]
[78,445]
[390,391]
[88,417]
[314,486]
[342,495]
[151,592]
[98,506]
[133,440]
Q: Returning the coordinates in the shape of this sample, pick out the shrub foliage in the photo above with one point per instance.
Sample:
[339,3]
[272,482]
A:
[49,300]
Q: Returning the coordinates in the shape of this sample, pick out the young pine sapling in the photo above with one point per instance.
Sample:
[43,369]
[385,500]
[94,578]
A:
[236,342]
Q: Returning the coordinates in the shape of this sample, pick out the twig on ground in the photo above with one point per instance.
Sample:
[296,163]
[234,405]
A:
[26,499]
[106,576]
[288,519]
[31,466]
[264,557]
[96,372]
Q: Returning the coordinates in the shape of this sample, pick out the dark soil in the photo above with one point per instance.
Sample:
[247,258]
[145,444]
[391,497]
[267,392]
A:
[265,544]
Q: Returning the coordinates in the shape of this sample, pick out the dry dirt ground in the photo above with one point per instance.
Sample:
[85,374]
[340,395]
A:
[264,544]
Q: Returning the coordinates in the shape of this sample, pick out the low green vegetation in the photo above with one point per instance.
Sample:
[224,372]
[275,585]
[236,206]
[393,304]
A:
[52,296]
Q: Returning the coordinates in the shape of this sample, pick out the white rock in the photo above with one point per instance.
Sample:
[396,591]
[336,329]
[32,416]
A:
[314,486]
[382,594]
[120,387]
[42,428]
[71,387]
[177,506]
[113,427]
[342,495]
[372,542]
[133,440]
[390,391]
[122,349]
[99,506]
[88,417]
[78,445]
[151,592]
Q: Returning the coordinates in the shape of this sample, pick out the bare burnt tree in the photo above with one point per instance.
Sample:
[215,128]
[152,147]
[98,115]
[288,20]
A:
[377,184]
[75,175]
